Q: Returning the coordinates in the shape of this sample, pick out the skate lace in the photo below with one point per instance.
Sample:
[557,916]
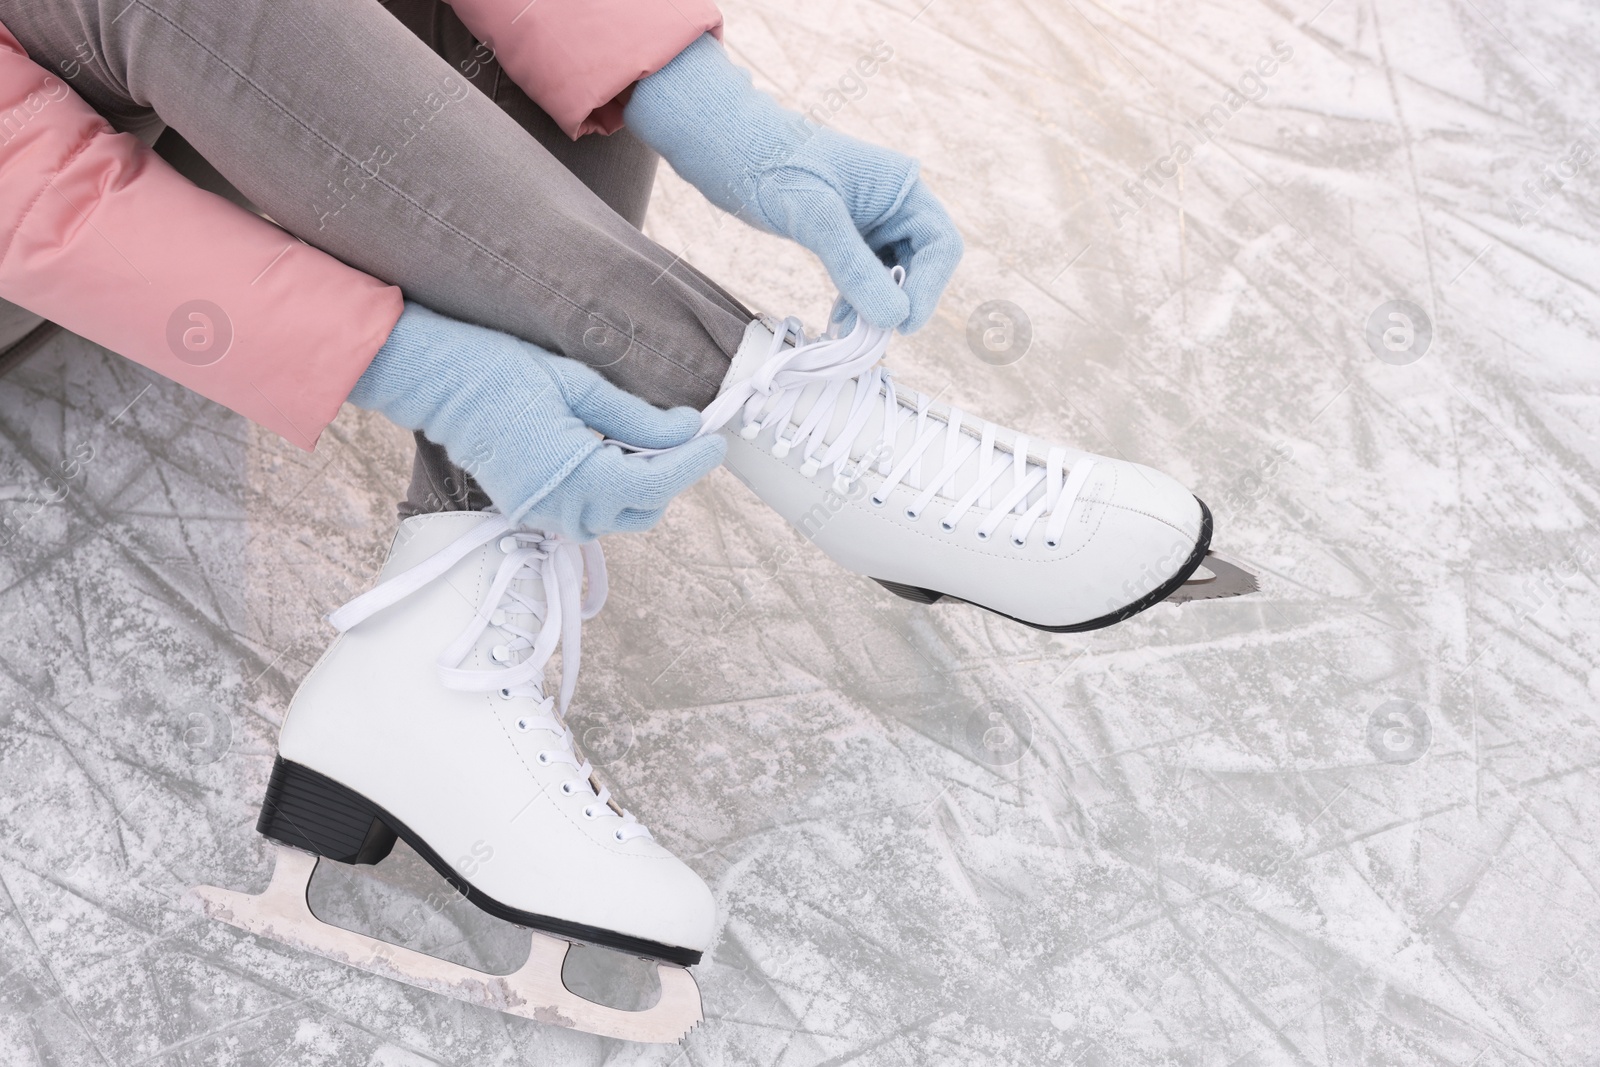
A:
[558,567]
[795,361]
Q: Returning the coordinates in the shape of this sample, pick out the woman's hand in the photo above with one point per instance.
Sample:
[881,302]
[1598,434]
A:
[862,209]
[527,424]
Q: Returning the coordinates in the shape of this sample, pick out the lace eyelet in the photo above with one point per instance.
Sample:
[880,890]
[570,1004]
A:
[1049,543]
[508,545]
[499,653]
[566,787]
[780,448]
[588,812]
[913,514]
[946,527]
[543,758]
[497,619]
[522,724]
[982,536]
[877,501]
[750,431]
[1019,542]
[505,694]
[810,468]
[617,834]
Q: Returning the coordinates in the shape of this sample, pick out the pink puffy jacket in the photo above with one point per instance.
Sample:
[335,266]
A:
[99,234]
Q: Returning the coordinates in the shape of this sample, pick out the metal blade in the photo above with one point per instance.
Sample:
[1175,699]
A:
[534,991]
[1216,578]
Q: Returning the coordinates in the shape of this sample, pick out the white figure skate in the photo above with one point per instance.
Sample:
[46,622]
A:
[427,719]
[936,504]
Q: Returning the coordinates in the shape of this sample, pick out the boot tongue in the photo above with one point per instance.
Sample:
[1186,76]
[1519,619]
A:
[755,349]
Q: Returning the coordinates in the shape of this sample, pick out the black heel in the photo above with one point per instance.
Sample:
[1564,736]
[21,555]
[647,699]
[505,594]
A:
[311,811]
[911,592]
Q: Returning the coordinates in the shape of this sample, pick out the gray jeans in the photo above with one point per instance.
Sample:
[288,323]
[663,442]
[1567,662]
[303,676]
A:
[326,115]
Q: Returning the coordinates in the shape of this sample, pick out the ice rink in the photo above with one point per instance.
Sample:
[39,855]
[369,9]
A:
[1352,819]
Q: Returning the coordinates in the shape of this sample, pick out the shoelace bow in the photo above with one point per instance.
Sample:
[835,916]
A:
[559,565]
[796,361]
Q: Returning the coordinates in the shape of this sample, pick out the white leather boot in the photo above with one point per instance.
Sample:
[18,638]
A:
[427,719]
[932,502]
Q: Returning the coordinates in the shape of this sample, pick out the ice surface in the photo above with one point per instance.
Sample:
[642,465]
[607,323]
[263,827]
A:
[1351,820]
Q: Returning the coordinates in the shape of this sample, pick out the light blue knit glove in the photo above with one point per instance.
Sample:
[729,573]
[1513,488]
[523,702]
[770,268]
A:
[524,423]
[862,209]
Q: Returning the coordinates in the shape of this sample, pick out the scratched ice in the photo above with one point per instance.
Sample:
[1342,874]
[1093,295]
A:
[1351,820]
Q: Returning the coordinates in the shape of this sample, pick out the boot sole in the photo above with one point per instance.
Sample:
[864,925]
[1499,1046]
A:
[310,811]
[1155,596]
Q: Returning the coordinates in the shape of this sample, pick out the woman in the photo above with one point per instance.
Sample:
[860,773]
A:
[535,318]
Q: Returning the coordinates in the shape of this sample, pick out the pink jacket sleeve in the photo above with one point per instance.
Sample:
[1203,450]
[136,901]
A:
[575,58]
[99,234]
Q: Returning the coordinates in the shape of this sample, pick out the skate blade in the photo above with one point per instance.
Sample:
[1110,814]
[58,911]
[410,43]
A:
[533,991]
[1216,579]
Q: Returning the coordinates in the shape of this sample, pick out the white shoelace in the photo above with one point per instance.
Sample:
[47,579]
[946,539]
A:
[794,362]
[559,566]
